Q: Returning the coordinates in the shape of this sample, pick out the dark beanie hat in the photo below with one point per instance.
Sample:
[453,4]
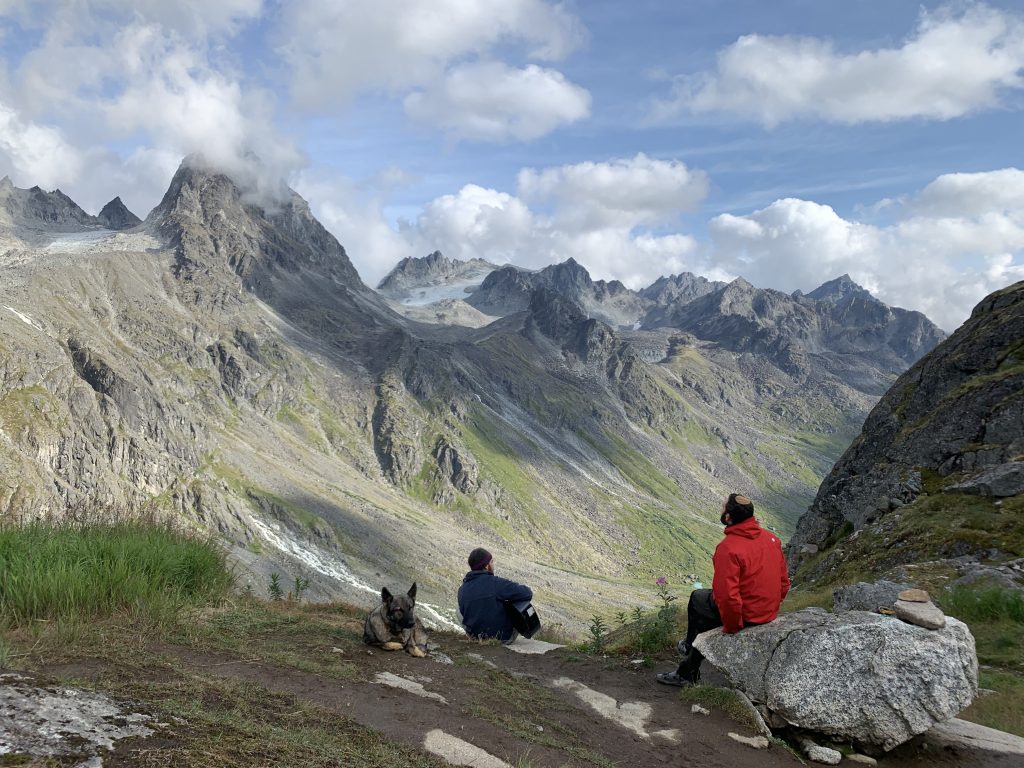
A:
[478,559]
[739,507]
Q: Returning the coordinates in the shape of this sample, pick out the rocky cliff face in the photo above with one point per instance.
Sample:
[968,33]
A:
[956,414]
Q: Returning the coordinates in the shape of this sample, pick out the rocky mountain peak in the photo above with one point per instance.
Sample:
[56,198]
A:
[433,269]
[838,289]
[680,288]
[115,215]
[211,220]
[568,277]
[37,209]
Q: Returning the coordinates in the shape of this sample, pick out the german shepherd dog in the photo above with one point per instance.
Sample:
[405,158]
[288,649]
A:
[392,625]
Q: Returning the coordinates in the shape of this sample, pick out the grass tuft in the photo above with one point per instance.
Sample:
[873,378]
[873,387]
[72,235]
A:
[79,570]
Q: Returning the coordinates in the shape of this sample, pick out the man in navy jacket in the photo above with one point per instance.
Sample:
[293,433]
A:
[482,599]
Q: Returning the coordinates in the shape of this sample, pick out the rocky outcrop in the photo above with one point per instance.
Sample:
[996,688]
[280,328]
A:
[1002,481]
[35,209]
[115,215]
[411,274]
[677,290]
[959,410]
[856,676]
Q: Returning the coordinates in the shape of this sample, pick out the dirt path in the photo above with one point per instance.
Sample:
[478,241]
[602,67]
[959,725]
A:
[553,710]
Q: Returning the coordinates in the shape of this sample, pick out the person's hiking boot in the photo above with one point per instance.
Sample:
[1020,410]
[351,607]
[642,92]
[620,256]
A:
[683,647]
[680,681]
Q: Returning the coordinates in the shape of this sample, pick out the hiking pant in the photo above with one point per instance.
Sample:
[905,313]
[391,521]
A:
[701,615]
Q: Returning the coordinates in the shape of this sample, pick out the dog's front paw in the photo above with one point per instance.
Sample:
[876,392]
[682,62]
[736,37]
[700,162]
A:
[415,650]
[392,646]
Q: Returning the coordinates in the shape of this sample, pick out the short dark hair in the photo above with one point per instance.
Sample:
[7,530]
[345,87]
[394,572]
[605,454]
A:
[739,507]
[479,558]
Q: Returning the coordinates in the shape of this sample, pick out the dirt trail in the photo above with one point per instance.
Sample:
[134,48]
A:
[554,710]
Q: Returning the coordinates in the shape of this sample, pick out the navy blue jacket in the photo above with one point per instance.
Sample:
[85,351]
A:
[481,603]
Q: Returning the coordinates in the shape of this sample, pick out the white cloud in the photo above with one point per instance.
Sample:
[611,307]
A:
[959,239]
[337,48]
[36,154]
[490,101]
[79,17]
[624,193]
[600,217]
[154,76]
[953,64]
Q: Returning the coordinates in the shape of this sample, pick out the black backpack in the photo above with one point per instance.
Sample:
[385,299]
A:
[523,617]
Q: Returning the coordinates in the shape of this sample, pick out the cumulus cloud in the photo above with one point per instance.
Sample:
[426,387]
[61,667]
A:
[625,192]
[35,154]
[592,217]
[954,242]
[337,48]
[152,76]
[490,101]
[191,17]
[953,64]
[441,58]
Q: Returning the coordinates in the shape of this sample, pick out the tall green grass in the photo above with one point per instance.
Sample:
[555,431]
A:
[992,604]
[74,570]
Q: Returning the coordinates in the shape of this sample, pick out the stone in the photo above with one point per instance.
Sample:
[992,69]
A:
[961,733]
[867,596]
[856,757]
[927,615]
[914,596]
[1002,481]
[697,709]
[757,742]
[819,754]
[807,667]
[809,549]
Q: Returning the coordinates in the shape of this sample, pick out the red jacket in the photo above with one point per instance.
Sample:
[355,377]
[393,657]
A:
[750,576]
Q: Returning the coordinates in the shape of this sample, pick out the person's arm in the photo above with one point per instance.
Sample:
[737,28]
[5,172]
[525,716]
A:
[510,592]
[726,590]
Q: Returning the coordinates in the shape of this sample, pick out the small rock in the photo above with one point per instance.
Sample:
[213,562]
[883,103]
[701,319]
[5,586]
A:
[914,596]
[819,754]
[338,650]
[697,709]
[757,742]
[925,615]
[862,759]
[809,549]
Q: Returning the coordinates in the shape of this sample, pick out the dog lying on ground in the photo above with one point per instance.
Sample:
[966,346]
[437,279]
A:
[393,626]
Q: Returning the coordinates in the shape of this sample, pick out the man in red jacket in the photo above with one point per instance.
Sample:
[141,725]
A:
[749,585]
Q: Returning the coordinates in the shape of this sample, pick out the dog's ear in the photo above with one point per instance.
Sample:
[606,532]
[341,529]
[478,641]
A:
[412,591]
[385,596]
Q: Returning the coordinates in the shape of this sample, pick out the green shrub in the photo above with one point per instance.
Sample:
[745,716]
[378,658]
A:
[86,569]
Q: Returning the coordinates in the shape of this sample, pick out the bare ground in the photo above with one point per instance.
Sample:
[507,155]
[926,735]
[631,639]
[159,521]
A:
[300,689]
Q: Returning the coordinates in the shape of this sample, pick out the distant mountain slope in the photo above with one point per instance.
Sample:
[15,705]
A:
[846,331]
[432,278]
[956,414]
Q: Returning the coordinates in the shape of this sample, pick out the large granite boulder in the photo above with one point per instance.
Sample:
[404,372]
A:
[857,676]
[867,596]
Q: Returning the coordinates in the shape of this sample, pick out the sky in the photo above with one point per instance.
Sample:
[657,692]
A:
[786,142]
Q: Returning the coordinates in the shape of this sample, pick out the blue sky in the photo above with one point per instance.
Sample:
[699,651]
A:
[788,141]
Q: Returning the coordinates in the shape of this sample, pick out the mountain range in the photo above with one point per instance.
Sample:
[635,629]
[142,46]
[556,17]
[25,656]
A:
[221,362]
